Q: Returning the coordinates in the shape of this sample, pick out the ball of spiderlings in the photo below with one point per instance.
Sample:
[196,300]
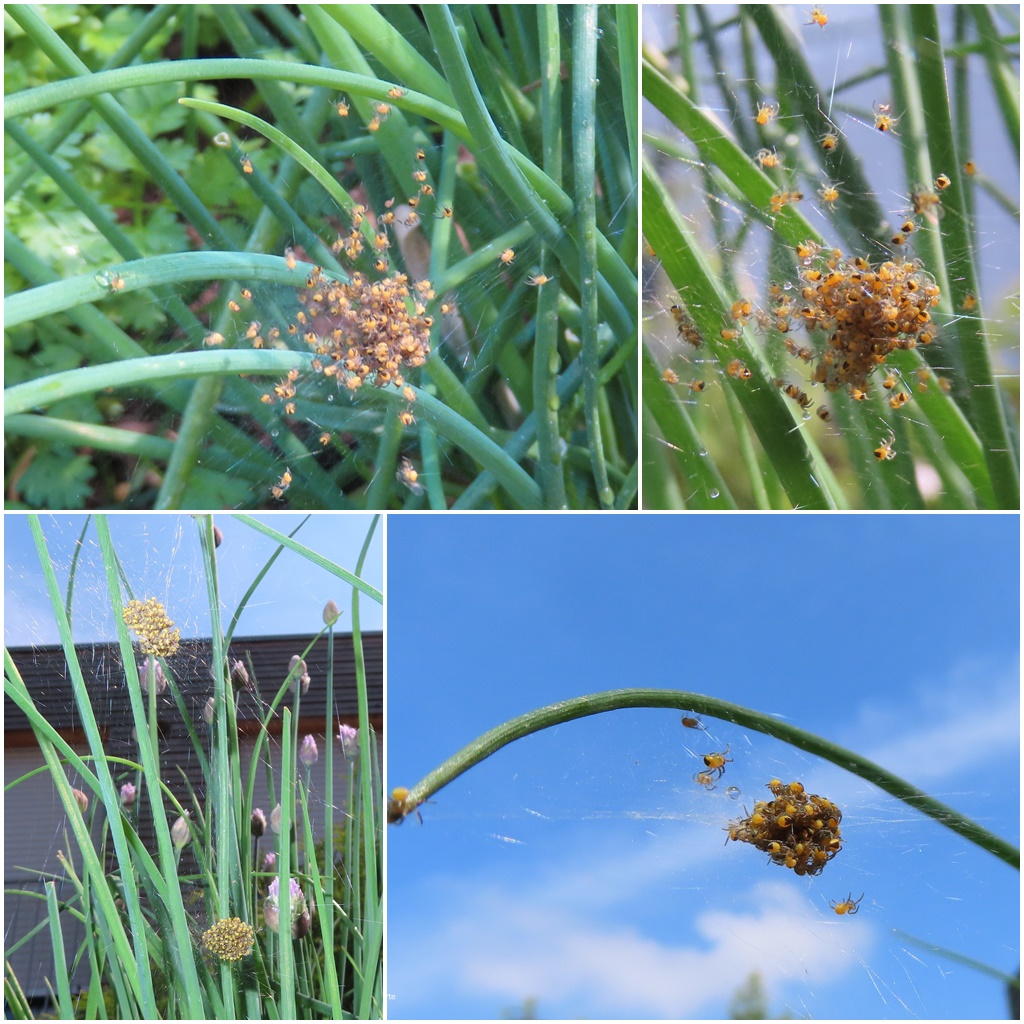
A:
[155,630]
[230,939]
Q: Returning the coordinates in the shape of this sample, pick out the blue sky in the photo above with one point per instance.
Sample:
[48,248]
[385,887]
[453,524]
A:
[582,866]
[161,555]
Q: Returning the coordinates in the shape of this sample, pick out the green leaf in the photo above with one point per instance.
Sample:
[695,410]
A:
[57,479]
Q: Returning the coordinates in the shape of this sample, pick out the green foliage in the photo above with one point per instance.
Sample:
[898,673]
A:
[535,386]
[139,912]
[751,1002]
[708,203]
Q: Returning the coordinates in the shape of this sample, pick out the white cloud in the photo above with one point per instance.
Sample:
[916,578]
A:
[508,944]
[977,707]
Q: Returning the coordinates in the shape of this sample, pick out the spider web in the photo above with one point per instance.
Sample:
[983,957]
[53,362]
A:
[581,872]
[161,557]
[844,58]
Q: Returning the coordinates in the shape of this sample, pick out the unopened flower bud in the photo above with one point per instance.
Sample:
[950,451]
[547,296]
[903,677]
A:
[81,799]
[275,820]
[297,669]
[331,613]
[161,679]
[218,537]
[308,753]
[181,833]
[258,823]
[301,924]
[239,676]
[208,712]
[128,794]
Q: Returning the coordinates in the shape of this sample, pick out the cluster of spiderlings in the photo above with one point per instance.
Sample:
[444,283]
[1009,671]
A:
[231,939]
[868,312]
[361,329]
[796,829]
[367,327]
[155,630]
[688,330]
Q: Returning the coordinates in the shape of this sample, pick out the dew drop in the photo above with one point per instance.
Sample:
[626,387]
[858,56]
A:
[703,452]
[733,792]
[714,492]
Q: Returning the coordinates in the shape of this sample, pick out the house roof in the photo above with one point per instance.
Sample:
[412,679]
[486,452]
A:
[46,676]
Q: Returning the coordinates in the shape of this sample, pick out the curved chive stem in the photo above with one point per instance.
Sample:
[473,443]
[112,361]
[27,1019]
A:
[614,700]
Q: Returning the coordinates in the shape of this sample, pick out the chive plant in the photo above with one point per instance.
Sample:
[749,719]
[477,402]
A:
[296,936]
[771,194]
[477,163]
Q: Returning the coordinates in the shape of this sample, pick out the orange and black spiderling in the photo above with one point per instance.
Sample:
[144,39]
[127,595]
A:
[400,805]
[926,204]
[714,764]
[688,330]
[798,830]
[738,369]
[884,120]
[784,198]
[829,194]
[818,17]
[849,906]
[885,451]
[408,476]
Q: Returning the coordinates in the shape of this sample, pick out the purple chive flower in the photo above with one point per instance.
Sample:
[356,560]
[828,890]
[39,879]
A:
[127,794]
[308,753]
[269,861]
[298,910]
[349,740]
